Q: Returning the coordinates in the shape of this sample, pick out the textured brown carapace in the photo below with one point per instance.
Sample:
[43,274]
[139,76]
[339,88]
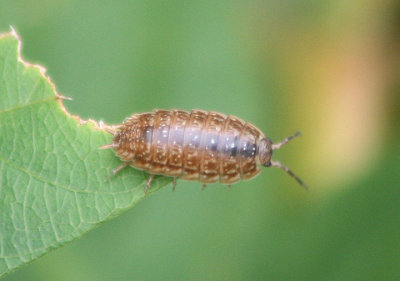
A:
[204,146]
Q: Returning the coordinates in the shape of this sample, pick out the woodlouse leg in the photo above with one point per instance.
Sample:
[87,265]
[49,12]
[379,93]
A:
[174,184]
[109,129]
[148,183]
[203,186]
[116,170]
[229,186]
[285,141]
[107,146]
[287,170]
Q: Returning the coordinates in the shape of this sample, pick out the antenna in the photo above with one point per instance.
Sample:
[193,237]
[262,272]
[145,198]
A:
[278,164]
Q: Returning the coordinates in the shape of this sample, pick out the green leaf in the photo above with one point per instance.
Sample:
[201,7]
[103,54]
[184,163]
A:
[52,174]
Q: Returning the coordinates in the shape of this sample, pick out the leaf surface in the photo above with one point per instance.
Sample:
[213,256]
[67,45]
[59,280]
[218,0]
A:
[52,174]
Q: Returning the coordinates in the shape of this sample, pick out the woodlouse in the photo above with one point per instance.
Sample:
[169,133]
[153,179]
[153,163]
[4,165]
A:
[198,145]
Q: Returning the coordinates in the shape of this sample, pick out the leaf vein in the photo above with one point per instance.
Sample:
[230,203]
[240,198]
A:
[26,105]
[35,176]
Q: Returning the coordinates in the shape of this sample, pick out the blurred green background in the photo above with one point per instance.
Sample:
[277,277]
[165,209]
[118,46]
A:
[329,68]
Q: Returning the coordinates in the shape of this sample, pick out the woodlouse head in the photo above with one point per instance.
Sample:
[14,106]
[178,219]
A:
[266,148]
[265,152]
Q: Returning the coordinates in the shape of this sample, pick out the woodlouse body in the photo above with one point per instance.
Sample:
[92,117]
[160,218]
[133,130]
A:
[198,145]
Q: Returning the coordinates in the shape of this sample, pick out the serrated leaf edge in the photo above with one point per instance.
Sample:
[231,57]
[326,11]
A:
[42,70]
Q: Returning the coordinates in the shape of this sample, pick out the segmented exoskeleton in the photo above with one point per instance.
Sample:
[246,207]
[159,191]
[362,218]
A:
[198,145]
